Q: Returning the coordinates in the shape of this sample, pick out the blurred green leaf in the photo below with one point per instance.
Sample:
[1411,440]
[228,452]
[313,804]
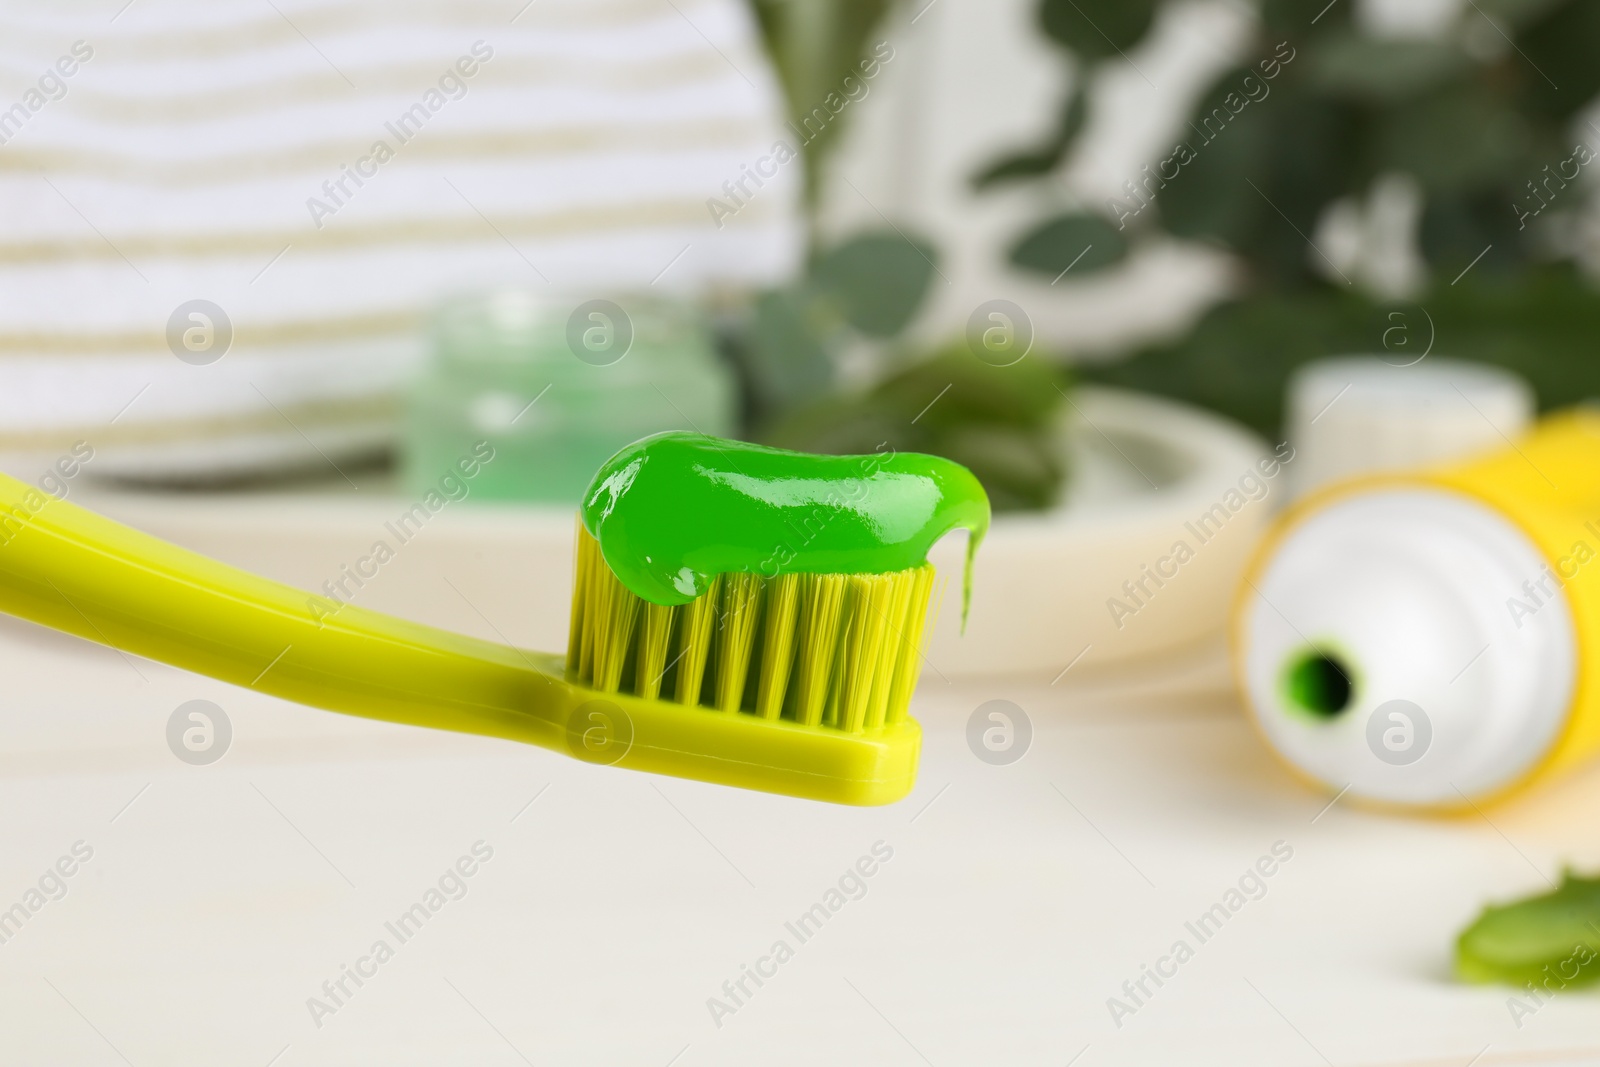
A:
[1210,196]
[1097,29]
[1555,59]
[877,280]
[1086,243]
[781,355]
[1022,394]
[1258,179]
[1517,14]
[1031,163]
[1042,160]
[1282,19]
[1019,471]
[1311,154]
[815,46]
[1456,230]
[1000,422]
[1473,126]
[1554,934]
[1239,357]
[1383,70]
[1459,139]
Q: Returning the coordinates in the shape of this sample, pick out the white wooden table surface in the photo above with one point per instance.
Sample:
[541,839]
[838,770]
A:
[218,899]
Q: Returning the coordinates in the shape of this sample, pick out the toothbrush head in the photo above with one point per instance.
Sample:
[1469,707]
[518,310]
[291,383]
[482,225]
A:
[797,684]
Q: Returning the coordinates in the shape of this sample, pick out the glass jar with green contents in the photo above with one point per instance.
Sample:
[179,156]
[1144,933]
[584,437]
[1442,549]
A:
[556,386]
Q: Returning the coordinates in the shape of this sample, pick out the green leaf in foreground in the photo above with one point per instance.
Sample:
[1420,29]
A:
[1551,940]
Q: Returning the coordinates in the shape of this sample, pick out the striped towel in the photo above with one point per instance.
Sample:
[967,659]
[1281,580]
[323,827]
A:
[316,174]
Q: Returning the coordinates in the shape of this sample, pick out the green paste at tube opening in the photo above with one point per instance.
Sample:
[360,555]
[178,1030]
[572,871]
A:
[673,511]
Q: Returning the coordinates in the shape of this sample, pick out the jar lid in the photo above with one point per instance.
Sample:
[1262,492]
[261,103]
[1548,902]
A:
[1361,415]
[562,331]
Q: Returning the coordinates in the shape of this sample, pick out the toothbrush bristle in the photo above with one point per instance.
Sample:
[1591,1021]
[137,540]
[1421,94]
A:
[834,651]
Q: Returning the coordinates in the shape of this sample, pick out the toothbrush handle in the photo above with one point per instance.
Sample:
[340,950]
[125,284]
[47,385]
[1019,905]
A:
[70,569]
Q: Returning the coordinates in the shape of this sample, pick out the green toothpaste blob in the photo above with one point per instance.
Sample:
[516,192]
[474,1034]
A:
[1551,940]
[673,511]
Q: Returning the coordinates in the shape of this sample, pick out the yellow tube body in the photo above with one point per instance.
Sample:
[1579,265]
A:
[1547,485]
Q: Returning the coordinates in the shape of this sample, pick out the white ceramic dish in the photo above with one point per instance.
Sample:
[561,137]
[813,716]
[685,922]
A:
[1047,586]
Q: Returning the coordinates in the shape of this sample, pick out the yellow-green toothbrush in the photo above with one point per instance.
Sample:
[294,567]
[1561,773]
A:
[741,615]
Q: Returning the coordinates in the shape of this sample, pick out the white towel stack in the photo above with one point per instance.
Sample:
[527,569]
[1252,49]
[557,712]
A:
[323,171]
